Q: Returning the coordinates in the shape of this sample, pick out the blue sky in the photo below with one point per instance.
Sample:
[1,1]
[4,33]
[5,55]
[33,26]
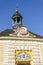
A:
[31,10]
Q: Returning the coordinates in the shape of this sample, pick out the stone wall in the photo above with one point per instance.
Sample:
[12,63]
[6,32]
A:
[8,47]
[42,52]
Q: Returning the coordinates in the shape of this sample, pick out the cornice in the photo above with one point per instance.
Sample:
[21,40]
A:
[21,38]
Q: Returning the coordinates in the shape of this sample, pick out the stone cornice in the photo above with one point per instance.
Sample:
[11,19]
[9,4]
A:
[21,38]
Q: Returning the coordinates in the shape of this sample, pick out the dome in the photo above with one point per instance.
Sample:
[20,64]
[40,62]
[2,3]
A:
[16,14]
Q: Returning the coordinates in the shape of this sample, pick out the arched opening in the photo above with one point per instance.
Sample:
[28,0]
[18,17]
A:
[23,58]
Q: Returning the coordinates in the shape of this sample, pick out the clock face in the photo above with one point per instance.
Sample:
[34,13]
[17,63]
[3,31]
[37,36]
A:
[23,30]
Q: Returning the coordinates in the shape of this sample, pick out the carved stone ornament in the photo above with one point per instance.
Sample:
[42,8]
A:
[22,32]
[23,56]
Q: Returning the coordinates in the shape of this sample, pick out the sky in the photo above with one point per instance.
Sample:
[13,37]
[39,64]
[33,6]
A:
[31,11]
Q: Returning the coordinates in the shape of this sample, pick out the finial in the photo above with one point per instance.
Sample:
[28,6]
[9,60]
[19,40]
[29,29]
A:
[17,7]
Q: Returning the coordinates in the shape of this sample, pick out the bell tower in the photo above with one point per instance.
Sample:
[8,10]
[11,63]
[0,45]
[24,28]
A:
[17,18]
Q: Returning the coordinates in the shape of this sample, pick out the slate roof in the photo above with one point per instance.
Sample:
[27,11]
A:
[6,32]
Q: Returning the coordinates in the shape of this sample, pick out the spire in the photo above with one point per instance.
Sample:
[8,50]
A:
[17,7]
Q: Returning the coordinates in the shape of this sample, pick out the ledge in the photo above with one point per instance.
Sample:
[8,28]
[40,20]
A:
[21,38]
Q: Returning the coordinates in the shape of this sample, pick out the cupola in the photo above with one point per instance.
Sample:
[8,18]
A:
[17,17]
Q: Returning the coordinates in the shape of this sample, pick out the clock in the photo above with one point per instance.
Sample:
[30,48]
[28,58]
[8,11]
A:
[23,30]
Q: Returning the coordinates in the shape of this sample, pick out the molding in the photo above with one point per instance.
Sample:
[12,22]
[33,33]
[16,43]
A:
[21,38]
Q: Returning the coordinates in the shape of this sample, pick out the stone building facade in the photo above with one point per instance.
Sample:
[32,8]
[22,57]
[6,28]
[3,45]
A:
[19,46]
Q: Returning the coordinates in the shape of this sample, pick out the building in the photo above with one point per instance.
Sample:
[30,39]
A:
[19,46]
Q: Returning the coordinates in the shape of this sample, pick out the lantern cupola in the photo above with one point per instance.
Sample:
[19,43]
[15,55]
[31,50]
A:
[17,17]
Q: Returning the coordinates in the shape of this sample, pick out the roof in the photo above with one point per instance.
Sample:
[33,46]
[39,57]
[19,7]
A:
[9,31]
[6,32]
[16,14]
